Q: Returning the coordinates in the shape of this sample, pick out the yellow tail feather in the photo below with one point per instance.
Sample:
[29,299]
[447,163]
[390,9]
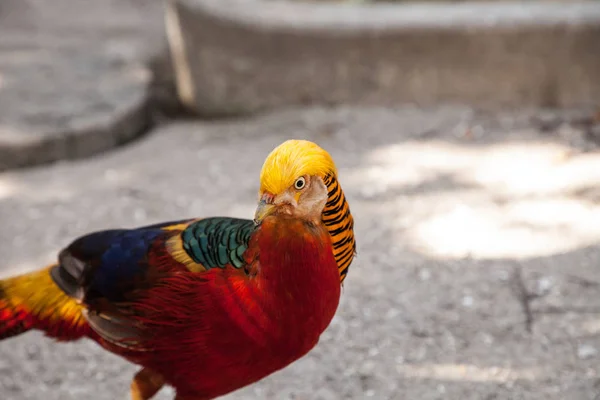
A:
[34,301]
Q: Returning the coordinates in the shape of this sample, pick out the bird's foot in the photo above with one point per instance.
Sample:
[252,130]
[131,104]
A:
[146,383]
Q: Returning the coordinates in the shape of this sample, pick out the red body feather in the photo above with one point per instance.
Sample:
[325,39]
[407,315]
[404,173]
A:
[224,329]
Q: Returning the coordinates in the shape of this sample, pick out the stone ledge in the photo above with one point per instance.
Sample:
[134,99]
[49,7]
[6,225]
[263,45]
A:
[242,56]
[74,77]
[54,112]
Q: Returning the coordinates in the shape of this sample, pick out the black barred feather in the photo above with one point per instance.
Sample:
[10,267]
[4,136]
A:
[338,220]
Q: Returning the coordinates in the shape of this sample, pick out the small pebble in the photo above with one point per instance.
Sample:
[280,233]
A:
[544,285]
[373,351]
[467,301]
[586,351]
[424,274]
[487,339]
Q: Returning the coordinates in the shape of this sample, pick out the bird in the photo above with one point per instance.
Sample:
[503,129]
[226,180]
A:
[204,305]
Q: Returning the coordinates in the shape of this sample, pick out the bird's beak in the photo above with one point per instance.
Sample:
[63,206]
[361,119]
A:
[263,210]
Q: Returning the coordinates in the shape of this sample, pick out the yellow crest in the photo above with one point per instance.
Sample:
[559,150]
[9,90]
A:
[289,161]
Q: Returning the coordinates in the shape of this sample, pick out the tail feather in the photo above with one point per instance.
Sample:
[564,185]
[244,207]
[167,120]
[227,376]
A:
[34,301]
[13,320]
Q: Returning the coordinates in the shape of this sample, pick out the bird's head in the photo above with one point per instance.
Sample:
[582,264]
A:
[291,181]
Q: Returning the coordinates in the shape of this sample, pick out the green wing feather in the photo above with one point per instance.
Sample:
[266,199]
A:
[216,242]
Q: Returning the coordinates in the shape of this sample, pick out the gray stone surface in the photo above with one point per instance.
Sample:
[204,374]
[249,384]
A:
[74,79]
[239,56]
[477,274]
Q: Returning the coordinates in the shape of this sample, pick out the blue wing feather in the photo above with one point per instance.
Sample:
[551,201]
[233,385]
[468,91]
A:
[115,259]
[107,264]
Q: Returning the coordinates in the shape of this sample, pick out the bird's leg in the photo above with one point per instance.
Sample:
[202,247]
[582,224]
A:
[146,383]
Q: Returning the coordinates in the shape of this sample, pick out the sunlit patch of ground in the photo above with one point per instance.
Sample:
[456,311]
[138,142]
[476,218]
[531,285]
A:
[510,199]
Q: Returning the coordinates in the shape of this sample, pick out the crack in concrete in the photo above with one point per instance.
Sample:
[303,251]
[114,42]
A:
[585,282]
[564,310]
[524,296]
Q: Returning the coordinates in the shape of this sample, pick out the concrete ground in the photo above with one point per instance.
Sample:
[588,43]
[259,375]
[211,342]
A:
[478,269]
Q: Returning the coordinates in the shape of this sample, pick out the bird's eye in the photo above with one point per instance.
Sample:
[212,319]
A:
[300,183]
